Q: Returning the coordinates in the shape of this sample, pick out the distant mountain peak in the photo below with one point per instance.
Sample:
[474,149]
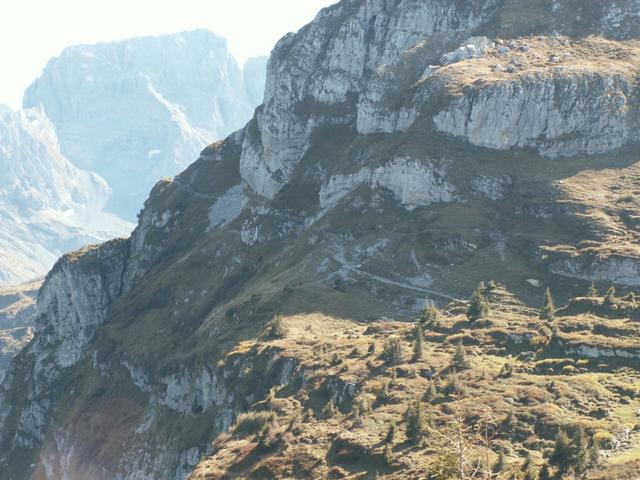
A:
[105,88]
[100,126]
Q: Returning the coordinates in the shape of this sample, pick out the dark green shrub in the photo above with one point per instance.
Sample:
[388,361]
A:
[392,351]
[415,420]
[478,306]
[459,360]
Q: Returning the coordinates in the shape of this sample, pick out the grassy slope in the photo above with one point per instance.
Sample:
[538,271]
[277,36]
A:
[344,439]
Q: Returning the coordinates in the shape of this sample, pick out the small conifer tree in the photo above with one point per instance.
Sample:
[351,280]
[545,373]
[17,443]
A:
[545,473]
[509,422]
[529,469]
[593,454]
[593,290]
[453,386]
[418,345]
[548,310]
[388,455]
[610,296]
[432,392]
[632,299]
[391,433]
[459,360]
[392,352]
[555,331]
[580,451]
[478,306]
[430,316]
[415,419]
[562,456]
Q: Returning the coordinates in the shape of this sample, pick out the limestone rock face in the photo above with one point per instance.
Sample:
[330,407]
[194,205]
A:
[564,113]
[315,75]
[71,304]
[75,297]
[473,47]
[412,182]
[614,268]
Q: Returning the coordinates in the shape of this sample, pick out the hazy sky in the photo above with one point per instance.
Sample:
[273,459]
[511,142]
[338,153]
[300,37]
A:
[32,31]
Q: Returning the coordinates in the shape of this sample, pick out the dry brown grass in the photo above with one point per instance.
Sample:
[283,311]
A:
[546,55]
[344,436]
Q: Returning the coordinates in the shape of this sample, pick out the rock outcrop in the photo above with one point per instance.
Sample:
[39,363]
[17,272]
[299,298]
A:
[17,319]
[316,76]
[412,182]
[557,113]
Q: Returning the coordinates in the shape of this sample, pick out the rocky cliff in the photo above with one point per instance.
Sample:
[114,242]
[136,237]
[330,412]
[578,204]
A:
[405,151]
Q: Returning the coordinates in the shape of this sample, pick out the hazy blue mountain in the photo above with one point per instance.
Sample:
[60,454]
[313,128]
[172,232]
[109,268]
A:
[137,110]
[100,127]
[254,72]
[47,205]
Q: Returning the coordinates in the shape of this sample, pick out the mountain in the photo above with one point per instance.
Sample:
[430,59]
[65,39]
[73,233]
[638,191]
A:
[405,152]
[100,126]
[47,206]
[137,110]
[254,73]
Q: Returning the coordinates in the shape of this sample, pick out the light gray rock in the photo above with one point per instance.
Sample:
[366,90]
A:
[612,268]
[559,113]
[589,351]
[474,47]
[75,297]
[413,183]
[313,76]
[228,207]
[193,392]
